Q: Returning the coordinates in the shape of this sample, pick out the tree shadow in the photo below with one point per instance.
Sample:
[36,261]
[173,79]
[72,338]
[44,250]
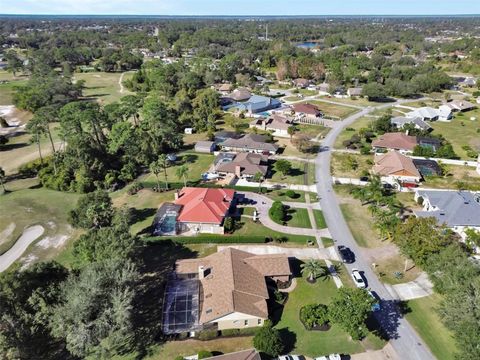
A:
[138,215]
[156,262]
[189,158]
[296,172]
[9,147]
[289,339]
[385,322]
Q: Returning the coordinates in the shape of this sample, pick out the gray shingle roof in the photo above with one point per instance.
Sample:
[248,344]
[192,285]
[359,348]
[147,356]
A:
[455,208]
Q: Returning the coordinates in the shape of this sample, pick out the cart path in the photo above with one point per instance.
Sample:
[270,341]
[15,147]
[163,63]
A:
[28,236]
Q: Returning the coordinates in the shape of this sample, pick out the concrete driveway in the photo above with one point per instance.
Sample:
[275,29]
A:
[299,253]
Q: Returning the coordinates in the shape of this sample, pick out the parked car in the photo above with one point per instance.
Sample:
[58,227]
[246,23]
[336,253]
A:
[290,357]
[376,305]
[329,357]
[358,279]
[364,178]
[346,254]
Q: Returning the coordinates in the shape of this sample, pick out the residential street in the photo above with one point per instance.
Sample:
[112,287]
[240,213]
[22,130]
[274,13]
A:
[406,342]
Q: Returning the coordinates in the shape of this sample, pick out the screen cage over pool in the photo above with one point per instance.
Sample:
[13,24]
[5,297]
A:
[181,306]
[165,221]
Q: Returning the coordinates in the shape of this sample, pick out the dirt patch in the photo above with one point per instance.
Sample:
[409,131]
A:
[55,242]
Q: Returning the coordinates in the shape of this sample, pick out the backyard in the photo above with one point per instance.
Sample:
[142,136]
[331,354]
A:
[333,110]
[301,173]
[461,131]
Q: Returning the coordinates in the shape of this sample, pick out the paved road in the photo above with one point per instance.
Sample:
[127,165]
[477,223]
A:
[406,342]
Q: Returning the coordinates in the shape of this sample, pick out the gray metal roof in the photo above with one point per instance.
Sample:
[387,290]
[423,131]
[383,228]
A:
[454,208]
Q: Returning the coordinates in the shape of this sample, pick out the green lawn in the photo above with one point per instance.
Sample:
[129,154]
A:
[8,89]
[296,175]
[249,227]
[196,163]
[333,110]
[319,219]
[25,207]
[103,86]
[312,130]
[342,164]
[363,122]
[428,324]
[327,242]
[298,218]
[314,343]
[358,101]
[461,131]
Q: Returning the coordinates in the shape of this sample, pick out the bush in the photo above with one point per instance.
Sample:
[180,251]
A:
[277,212]
[248,331]
[279,296]
[205,335]
[365,150]
[31,168]
[291,194]
[203,354]
[268,340]
[179,358]
[228,224]
[209,239]
[314,315]
[231,332]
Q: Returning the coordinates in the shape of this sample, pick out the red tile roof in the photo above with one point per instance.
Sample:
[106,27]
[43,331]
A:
[204,205]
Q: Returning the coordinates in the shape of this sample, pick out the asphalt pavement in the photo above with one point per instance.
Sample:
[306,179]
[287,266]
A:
[403,338]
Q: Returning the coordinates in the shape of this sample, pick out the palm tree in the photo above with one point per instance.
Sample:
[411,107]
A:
[258,177]
[291,131]
[155,168]
[163,162]
[182,172]
[314,269]
[2,179]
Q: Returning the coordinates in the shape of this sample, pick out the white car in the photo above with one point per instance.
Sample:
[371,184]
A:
[289,357]
[358,279]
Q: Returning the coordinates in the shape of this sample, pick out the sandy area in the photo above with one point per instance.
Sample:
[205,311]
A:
[29,235]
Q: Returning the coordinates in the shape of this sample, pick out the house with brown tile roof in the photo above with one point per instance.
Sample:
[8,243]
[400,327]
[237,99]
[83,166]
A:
[203,210]
[240,94]
[395,141]
[306,109]
[243,165]
[276,123]
[233,286]
[394,167]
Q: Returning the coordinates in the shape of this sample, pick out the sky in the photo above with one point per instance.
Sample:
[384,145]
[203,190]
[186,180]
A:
[242,7]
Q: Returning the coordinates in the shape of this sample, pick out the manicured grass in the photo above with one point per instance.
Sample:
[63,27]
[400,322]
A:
[333,110]
[279,195]
[27,207]
[327,242]
[298,218]
[427,323]
[249,227]
[103,86]
[144,204]
[314,343]
[319,219]
[363,122]
[197,164]
[171,349]
[461,131]
[8,89]
[296,175]
[359,101]
[312,130]
[418,104]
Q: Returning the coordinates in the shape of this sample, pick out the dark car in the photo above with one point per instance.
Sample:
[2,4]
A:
[364,178]
[346,254]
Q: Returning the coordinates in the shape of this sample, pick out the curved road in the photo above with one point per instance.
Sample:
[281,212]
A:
[406,342]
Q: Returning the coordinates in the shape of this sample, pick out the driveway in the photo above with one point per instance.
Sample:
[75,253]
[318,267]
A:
[403,338]
[418,288]
[299,253]
[263,204]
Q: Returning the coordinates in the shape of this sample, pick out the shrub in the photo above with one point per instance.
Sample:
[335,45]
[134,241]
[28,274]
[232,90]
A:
[314,315]
[279,296]
[31,168]
[228,224]
[420,200]
[205,335]
[248,331]
[268,340]
[231,332]
[203,354]
[291,194]
[365,150]
[277,212]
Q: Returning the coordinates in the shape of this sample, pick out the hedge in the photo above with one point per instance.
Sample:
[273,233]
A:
[240,332]
[212,239]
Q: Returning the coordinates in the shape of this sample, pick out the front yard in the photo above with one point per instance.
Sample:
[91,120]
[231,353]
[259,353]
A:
[317,343]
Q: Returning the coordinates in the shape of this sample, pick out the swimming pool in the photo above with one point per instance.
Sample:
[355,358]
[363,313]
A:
[167,225]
